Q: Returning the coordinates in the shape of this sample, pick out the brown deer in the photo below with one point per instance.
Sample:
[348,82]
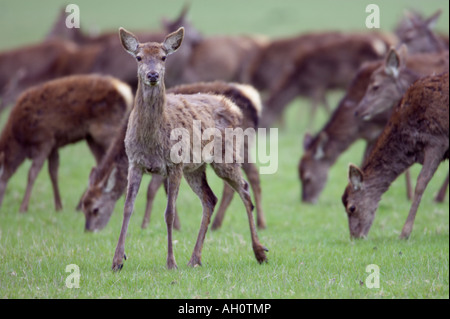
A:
[149,147]
[108,180]
[418,132]
[55,114]
[417,33]
[390,81]
[328,65]
[24,67]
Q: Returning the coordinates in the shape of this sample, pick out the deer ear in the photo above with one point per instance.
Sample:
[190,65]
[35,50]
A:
[432,21]
[307,140]
[320,152]
[356,177]
[111,182]
[92,176]
[173,41]
[129,41]
[392,63]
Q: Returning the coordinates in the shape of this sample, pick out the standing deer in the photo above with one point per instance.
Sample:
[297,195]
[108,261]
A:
[108,180]
[418,132]
[148,144]
[55,114]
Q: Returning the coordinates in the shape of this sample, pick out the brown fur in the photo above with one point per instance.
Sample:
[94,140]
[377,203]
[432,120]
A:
[55,114]
[418,132]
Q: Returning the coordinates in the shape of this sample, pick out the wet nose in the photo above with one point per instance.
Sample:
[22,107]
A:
[153,76]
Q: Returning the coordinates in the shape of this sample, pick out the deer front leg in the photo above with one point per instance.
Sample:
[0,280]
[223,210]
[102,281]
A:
[53,164]
[430,165]
[173,185]
[134,181]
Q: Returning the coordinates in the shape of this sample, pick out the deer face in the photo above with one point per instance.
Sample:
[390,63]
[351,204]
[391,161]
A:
[98,201]
[359,204]
[385,87]
[150,56]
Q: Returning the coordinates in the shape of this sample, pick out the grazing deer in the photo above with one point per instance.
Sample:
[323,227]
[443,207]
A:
[108,180]
[149,147]
[55,114]
[390,81]
[418,132]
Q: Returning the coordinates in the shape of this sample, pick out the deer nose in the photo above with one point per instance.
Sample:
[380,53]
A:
[153,76]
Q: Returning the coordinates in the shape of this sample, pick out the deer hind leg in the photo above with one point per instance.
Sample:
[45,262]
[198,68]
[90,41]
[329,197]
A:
[53,165]
[251,171]
[198,183]
[153,186]
[430,165]
[231,173]
[35,168]
[442,191]
[227,197]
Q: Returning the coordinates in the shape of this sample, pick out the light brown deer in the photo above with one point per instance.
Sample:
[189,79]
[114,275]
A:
[418,132]
[108,180]
[149,146]
[55,114]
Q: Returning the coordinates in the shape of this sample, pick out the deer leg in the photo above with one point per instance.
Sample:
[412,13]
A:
[430,165]
[198,183]
[409,188]
[227,197]
[53,164]
[231,173]
[441,194]
[153,187]
[134,181]
[251,171]
[176,222]
[173,185]
[35,168]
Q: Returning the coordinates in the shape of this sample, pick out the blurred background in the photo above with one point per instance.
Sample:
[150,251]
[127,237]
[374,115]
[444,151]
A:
[23,22]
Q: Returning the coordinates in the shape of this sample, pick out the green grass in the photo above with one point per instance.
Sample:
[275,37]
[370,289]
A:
[311,255]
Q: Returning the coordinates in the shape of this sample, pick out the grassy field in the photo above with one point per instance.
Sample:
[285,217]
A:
[311,255]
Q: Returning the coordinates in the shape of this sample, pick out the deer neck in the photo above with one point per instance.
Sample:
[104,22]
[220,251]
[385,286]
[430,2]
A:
[387,161]
[149,108]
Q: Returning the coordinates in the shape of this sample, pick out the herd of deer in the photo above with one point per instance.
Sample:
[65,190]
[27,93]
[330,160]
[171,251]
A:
[73,87]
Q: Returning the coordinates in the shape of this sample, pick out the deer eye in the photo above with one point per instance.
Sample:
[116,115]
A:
[95,211]
[139,58]
[352,209]
[375,88]
[164,58]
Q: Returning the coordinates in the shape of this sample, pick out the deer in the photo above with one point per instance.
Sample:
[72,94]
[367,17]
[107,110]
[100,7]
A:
[30,65]
[149,147]
[390,81]
[344,128]
[57,113]
[108,181]
[328,65]
[417,132]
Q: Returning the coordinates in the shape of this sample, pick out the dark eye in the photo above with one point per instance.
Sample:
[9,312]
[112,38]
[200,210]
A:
[139,58]
[164,58]
[352,209]
[375,88]
[95,211]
